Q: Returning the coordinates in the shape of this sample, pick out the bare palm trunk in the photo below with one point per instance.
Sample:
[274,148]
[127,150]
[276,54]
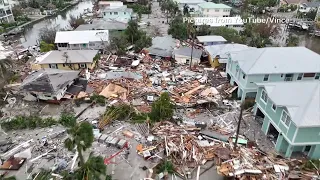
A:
[80,156]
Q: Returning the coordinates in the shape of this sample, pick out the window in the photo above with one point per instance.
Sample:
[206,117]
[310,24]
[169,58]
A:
[285,118]
[243,75]
[309,75]
[104,14]
[217,10]
[274,107]
[288,77]
[300,76]
[281,75]
[53,66]
[110,13]
[264,96]
[317,76]
[82,65]
[115,13]
[266,77]
[64,65]
[91,44]
[84,45]
[124,13]
[187,61]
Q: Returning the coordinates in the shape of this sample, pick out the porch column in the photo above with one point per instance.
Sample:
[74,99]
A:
[243,96]
[279,143]
[289,151]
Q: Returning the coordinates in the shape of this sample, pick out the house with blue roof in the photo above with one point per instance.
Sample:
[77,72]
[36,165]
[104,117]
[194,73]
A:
[247,68]
[291,115]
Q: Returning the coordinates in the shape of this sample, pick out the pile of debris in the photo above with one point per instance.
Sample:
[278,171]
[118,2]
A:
[189,146]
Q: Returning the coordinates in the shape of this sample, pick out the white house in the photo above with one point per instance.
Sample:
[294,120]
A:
[6,15]
[75,40]
[210,9]
[233,22]
[191,4]
[211,40]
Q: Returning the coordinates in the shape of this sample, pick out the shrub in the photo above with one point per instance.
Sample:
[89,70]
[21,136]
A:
[27,122]
[248,103]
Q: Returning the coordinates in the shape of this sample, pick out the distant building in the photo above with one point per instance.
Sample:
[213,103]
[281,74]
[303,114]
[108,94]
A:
[68,59]
[210,9]
[82,40]
[110,4]
[232,22]
[183,55]
[191,4]
[48,84]
[122,14]
[6,15]
[290,113]
[211,40]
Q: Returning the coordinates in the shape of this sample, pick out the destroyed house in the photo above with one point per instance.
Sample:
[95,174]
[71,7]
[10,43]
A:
[82,40]
[291,116]
[272,64]
[68,59]
[48,84]
[183,55]
[162,47]
[218,54]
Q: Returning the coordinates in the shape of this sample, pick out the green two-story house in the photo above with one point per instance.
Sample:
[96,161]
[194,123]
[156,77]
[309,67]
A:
[291,116]
[272,64]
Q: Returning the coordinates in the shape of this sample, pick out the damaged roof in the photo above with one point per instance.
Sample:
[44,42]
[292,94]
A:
[302,100]
[48,80]
[74,56]
[222,50]
[277,60]
[211,39]
[103,25]
[81,37]
[186,51]
[162,46]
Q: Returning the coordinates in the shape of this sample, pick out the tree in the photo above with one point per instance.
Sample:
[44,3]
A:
[80,137]
[93,168]
[75,22]
[292,40]
[67,120]
[258,41]
[45,47]
[185,9]
[204,30]
[117,44]
[144,41]
[48,34]
[5,65]
[231,35]
[178,29]
[162,108]
[132,32]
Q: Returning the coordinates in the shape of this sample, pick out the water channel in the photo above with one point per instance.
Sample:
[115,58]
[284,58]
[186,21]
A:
[30,36]
[62,20]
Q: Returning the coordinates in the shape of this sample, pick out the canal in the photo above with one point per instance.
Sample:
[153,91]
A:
[62,20]
[31,34]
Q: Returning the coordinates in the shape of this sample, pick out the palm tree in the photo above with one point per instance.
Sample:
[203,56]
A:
[80,137]
[5,65]
[93,168]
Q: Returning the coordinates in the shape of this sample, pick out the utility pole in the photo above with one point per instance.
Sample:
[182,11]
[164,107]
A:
[238,128]
[192,46]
